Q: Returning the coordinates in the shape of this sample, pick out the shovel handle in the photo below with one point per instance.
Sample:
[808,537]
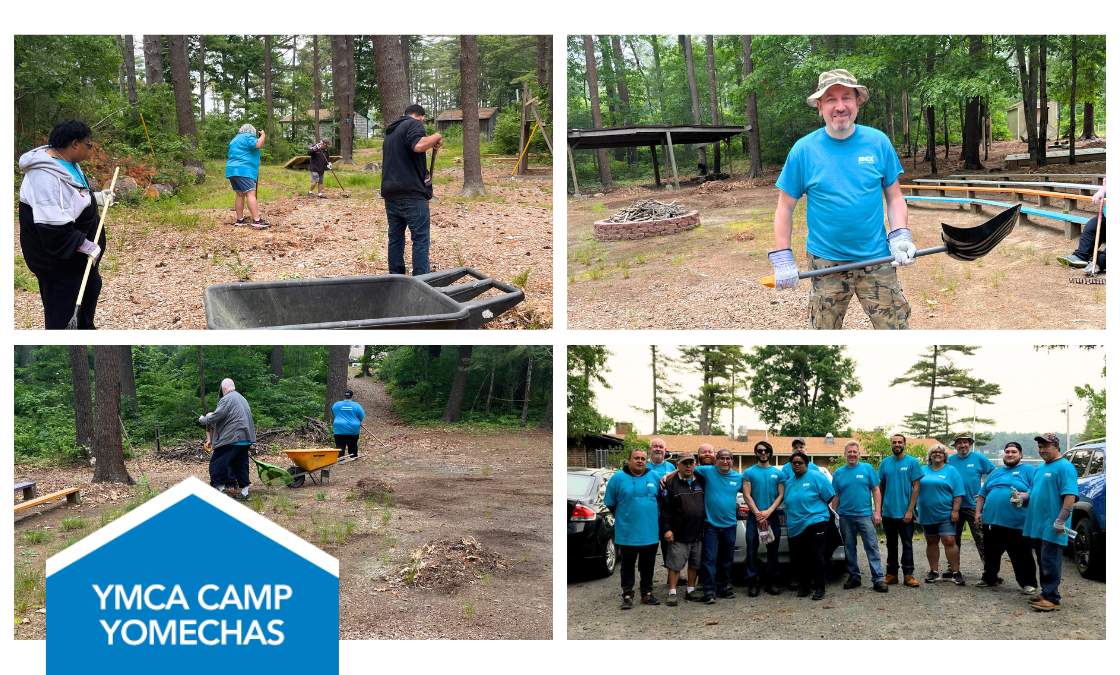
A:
[768,280]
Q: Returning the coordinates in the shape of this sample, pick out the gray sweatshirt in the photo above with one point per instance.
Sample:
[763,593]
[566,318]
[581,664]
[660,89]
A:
[54,196]
[232,421]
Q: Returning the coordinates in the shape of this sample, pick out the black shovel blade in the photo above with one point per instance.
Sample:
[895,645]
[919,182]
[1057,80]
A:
[970,243]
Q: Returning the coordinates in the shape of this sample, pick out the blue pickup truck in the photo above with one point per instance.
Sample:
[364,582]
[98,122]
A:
[1088,546]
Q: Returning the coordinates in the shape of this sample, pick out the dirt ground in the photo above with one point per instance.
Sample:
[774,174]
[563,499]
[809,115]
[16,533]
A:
[490,488]
[937,611]
[154,277]
[708,277]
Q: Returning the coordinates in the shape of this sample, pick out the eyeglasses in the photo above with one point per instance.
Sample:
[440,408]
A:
[797,462]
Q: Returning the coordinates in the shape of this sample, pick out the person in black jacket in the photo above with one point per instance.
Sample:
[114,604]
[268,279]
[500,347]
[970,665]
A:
[318,165]
[682,526]
[57,218]
[406,188]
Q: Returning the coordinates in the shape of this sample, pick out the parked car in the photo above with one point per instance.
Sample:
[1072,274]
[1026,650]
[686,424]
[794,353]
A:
[591,548]
[739,561]
[1087,548]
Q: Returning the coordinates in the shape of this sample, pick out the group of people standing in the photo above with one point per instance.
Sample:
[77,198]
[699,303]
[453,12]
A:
[691,509]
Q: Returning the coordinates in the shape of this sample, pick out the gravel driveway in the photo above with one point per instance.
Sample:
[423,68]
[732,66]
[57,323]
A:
[932,611]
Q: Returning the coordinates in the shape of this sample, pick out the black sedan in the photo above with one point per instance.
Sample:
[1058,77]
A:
[590,525]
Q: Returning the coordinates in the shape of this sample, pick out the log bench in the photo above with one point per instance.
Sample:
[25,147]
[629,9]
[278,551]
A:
[72,495]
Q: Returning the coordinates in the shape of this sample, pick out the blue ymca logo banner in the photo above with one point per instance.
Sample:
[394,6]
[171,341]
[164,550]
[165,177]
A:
[192,580]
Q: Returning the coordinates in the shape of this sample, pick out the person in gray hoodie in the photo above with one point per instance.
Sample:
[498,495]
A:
[233,433]
[57,218]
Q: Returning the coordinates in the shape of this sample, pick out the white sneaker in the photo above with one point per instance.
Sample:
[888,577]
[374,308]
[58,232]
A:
[1028,590]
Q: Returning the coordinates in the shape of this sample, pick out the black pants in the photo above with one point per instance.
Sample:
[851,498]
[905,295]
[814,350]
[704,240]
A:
[895,530]
[230,462]
[346,443]
[646,557]
[806,552]
[999,539]
[1087,239]
[968,515]
[60,294]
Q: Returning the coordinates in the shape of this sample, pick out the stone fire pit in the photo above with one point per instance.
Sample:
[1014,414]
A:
[646,219]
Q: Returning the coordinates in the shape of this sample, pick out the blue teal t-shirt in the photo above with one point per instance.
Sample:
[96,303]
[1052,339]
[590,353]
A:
[806,501]
[633,500]
[998,509]
[896,479]
[1051,482]
[661,470]
[244,156]
[74,170]
[764,482]
[844,181]
[972,469]
[936,492]
[348,416]
[854,485]
[720,490]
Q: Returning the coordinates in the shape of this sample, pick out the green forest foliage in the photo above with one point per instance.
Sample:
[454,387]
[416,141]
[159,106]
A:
[419,380]
[935,69]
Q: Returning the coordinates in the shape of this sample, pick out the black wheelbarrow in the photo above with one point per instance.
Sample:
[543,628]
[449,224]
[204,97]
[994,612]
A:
[391,301]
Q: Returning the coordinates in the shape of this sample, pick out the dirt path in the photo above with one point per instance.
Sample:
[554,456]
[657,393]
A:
[938,611]
[155,275]
[492,487]
[708,277]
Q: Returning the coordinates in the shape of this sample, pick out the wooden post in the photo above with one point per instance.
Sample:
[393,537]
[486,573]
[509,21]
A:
[656,171]
[572,169]
[672,159]
[523,163]
[729,174]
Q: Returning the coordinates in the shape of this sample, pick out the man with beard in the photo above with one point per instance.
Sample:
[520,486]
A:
[1000,514]
[972,466]
[899,475]
[1049,504]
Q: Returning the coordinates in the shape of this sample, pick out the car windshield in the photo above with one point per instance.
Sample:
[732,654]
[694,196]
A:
[1080,460]
[1096,464]
[579,485]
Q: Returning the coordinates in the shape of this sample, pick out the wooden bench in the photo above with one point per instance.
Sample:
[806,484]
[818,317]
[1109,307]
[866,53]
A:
[28,489]
[1071,224]
[1095,178]
[73,496]
[972,189]
[1057,156]
[1053,186]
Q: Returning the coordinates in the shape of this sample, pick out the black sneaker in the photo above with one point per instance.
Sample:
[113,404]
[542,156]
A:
[947,575]
[650,599]
[984,583]
[852,582]
[754,590]
[958,578]
[628,602]
[726,595]
[671,601]
[773,590]
[694,596]
[880,587]
[709,599]
[932,576]
[818,594]
[803,592]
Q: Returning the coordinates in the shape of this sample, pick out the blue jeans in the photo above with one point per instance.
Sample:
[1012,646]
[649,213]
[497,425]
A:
[1049,569]
[850,526]
[719,547]
[413,215]
[771,551]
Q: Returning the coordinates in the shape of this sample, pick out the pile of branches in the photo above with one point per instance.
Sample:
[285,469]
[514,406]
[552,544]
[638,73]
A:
[447,564]
[649,209]
[193,450]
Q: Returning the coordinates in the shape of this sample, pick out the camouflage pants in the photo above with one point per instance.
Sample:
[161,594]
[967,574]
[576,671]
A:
[877,288]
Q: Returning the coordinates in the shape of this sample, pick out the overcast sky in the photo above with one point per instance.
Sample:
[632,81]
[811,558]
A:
[1035,386]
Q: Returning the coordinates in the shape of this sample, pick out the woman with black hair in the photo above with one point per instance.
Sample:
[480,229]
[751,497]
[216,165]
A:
[807,519]
[57,216]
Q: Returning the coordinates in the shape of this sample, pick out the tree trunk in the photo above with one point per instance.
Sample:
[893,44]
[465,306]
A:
[201,79]
[406,63]
[713,94]
[1089,127]
[544,68]
[694,95]
[546,423]
[906,121]
[931,140]
[268,100]
[1030,104]
[128,379]
[458,386]
[181,82]
[201,380]
[1073,101]
[658,79]
[932,392]
[153,59]
[608,76]
[1043,103]
[653,369]
[316,85]
[338,359]
[342,76]
[25,355]
[129,53]
[596,113]
[392,76]
[276,362]
[945,129]
[970,132]
[107,451]
[623,92]
[83,406]
[468,98]
[528,390]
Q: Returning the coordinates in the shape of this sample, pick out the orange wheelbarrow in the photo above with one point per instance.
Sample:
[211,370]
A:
[307,462]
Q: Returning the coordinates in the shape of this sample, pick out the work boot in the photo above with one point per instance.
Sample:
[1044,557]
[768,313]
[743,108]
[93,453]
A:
[754,590]
[879,587]
[1044,605]
[1072,260]
[627,601]
[650,599]
[910,581]
[852,582]
[890,580]
[1033,599]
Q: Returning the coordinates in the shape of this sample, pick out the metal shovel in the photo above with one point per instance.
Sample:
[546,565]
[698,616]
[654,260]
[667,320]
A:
[961,243]
[431,167]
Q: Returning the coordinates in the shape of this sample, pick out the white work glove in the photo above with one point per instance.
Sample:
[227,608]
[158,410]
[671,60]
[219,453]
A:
[329,165]
[902,246]
[89,248]
[202,420]
[785,268]
[1059,525]
[104,198]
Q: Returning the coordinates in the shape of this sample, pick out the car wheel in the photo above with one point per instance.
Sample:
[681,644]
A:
[1088,556]
[605,568]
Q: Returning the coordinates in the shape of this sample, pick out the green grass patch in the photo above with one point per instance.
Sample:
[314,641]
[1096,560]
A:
[71,523]
[521,278]
[598,208]
[32,537]
[336,532]
[282,504]
[320,496]
[30,591]
[24,279]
